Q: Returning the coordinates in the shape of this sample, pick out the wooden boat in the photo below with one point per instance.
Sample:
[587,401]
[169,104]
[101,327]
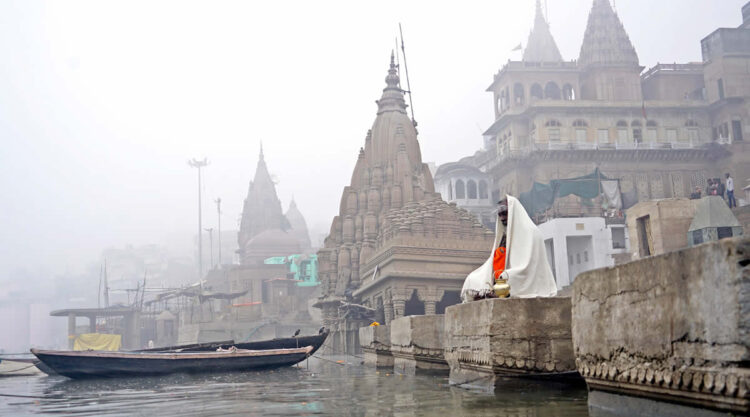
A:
[88,364]
[316,341]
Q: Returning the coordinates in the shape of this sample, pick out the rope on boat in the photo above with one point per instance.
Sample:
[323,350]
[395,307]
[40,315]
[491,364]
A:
[23,396]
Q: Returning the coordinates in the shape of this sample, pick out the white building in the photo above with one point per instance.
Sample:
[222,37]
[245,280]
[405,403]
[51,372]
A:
[468,187]
[580,244]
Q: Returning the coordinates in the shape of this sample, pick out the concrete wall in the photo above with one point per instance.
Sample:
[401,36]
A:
[376,345]
[417,343]
[673,327]
[670,220]
[488,339]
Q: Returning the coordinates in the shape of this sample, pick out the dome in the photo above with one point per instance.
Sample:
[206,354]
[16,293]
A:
[273,242]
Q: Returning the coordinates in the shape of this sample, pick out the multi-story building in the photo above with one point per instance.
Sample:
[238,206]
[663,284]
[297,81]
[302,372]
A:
[592,136]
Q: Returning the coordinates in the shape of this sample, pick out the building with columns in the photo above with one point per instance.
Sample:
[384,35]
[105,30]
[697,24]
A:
[656,134]
[395,248]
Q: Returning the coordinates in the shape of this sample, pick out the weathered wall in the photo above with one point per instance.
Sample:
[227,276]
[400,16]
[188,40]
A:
[499,337]
[670,220]
[417,343]
[376,345]
[674,327]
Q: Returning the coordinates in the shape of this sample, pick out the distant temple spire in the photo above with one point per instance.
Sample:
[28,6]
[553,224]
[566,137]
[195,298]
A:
[541,46]
[605,41]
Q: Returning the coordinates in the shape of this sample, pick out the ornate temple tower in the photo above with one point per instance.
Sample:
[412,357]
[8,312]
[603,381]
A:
[541,46]
[390,214]
[608,61]
[264,230]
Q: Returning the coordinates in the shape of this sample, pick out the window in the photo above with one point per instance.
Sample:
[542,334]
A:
[554,134]
[471,189]
[651,135]
[720,85]
[518,95]
[568,93]
[671,135]
[536,92]
[692,134]
[651,123]
[482,189]
[697,237]
[552,91]
[691,123]
[553,123]
[723,232]
[622,135]
[635,123]
[637,136]
[580,123]
[460,191]
[736,130]
[578,258]
[580,135]
[622,123]
[602,135]
[618,238]
[585,256]
[643,225]
[450,191]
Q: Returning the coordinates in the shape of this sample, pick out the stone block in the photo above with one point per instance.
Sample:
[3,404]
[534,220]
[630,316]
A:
[674,327]
[376,345]
[490,339]
[417,343]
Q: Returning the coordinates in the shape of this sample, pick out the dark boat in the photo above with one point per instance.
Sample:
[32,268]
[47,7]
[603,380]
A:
[315,341]
[88,364]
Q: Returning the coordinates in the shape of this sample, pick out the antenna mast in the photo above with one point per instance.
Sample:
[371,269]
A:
[406,70]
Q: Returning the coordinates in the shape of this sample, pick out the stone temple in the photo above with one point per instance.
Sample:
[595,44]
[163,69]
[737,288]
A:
[395,248]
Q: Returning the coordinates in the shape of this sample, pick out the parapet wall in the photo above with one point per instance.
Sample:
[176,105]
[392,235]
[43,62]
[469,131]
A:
[501,337]
[376,345]
[417,343]
[673,327]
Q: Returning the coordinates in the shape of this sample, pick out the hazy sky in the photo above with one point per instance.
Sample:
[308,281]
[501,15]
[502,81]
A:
[103,102]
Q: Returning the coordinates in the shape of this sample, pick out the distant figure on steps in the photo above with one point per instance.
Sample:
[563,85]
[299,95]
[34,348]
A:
[518,260]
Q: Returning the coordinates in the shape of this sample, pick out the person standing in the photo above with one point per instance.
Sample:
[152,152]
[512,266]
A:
[730,191]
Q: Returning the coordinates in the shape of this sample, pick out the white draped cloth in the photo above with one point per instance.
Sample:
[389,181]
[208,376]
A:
[526,266]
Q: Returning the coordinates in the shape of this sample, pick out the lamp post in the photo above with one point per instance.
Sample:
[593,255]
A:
[218,213]
[199,164]
[210,231]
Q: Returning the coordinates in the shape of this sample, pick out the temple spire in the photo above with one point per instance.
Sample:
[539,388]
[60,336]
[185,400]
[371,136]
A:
[393,96]
[541,46]
[605,41]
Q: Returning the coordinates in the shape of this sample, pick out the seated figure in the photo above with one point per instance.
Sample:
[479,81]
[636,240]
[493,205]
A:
[518,260]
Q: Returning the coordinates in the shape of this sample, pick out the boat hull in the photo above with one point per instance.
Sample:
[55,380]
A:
[100,364]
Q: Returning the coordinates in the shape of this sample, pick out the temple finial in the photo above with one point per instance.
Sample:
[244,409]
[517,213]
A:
[261,151]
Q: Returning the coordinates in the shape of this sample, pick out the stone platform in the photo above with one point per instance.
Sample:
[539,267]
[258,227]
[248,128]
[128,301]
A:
[674,327]
[376,345]
[519,337]
[417,344]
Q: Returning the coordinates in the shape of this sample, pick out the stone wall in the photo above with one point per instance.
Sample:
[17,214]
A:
[376,345]
[488,339]
[417,343]
[669,221]
[674,327]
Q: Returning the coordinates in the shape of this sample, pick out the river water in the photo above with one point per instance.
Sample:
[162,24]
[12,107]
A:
[320,387]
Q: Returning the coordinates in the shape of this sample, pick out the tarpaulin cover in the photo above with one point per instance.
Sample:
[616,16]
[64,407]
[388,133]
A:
[97,341]
[542,196]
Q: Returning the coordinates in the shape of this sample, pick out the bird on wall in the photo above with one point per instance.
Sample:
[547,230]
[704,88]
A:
[296,333]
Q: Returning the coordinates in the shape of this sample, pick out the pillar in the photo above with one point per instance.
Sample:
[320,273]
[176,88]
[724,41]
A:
[92,324]
[71,330]
[430,298]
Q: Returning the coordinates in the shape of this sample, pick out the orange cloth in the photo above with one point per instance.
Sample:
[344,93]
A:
[498,262]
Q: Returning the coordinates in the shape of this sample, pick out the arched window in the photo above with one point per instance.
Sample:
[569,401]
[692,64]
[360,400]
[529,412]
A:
[691,123]
[450,191]
[518,95]
[622,123]
[460,191]
[536,92]
[636,123]
[580,123]
[553,130]
[483,189]
[552,123]
[651,123]
[552,91]
[568,92]
[471,189]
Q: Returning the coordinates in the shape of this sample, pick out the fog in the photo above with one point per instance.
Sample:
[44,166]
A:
[103,104]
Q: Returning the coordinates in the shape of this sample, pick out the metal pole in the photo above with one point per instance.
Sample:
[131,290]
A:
[218,211]
[199,164]
[210,231]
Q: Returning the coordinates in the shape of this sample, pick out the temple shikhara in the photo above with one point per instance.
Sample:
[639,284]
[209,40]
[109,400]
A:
[395,248]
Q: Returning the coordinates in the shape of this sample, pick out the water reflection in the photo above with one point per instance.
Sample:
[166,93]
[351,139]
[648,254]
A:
[325,388]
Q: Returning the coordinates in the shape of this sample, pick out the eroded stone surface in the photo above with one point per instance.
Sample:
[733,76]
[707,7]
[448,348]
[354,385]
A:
[417,343]
[488,339]
[673,327]
[376,345]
